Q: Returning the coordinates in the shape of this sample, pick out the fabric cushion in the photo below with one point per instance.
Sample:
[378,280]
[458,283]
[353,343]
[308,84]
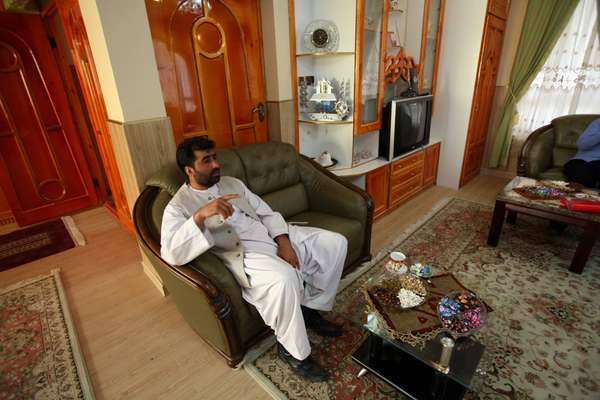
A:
[269,166]
[553,174]
[350,228]
[289,201]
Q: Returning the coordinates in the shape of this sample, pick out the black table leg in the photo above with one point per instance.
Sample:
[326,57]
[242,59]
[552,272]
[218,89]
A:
[584,248]
[497,221]
[511,217]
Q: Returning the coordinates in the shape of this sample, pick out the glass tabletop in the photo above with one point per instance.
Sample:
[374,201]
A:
[465,358]
[468,357]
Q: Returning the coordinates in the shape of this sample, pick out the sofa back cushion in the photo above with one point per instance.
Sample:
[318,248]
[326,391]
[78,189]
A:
[269,166]
[567,130]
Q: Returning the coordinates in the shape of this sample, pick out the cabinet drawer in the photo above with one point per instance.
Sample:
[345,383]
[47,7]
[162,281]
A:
[403,175]
[407,162]
[406,189]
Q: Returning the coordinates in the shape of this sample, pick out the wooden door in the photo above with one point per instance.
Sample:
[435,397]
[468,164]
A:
[483,97]
[43,172]
[377,183]
[85,69]
[209,58]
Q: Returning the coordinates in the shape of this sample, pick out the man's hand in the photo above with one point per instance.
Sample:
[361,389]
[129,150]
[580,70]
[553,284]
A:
[219,205]
[286,252]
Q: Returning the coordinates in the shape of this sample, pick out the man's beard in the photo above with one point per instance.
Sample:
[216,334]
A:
[208,180]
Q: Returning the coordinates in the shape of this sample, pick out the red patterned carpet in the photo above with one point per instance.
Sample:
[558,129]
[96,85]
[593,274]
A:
[39,352]
[25,245]
[543,338]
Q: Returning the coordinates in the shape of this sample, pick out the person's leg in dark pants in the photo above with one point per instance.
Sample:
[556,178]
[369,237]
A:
[581,171]
[596,166]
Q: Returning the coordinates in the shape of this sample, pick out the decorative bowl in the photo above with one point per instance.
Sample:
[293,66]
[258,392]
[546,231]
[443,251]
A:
[395,263]
[462,313]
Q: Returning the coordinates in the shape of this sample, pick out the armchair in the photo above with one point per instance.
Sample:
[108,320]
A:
[548,148]
[204,290]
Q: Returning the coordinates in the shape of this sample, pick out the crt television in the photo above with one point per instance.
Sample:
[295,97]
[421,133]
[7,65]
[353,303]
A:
[405,126]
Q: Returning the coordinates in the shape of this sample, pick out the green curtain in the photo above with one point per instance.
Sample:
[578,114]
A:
[598,18]
[543,25]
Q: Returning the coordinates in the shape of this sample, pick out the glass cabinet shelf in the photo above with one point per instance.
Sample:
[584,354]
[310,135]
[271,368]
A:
[326,53]
[310,121]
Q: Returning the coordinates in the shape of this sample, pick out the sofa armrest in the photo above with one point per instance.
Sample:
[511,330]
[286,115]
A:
[536,153]
[330,194]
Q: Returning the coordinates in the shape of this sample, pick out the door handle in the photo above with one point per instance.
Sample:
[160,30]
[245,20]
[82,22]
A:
[260,110]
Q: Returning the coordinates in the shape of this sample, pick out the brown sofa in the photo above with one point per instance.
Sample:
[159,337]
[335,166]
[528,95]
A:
[204,290]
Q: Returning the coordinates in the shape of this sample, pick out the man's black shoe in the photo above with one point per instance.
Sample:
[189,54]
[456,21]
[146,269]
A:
[307,368]
[313,320]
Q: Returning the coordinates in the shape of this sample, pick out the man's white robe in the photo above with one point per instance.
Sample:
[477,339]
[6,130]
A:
[273,286]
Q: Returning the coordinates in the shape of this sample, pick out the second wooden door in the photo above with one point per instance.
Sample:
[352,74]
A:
[209,59]
[43,171]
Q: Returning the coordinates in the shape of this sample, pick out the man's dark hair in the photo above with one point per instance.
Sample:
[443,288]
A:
[185,151]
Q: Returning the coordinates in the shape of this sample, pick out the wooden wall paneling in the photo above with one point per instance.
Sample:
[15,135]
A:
[213,84]
[377,185]
[44,172]
[92,95]
[485,86]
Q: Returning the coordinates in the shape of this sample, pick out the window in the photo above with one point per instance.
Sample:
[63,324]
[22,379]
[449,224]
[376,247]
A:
[569,81]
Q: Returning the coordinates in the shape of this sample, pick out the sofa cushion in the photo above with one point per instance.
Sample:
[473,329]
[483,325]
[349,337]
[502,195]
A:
[170,177]
[288,201]
[568,128]
[553,174]
[269,166]
[231,165]
[350,228]
[560,156]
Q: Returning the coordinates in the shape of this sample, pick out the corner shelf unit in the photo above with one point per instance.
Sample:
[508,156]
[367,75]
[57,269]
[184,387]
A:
[342,139]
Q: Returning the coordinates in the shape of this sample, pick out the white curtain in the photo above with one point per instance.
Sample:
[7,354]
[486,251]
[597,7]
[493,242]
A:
[569,82]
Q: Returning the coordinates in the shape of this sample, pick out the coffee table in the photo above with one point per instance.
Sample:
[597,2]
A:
[510,203]
[415,371]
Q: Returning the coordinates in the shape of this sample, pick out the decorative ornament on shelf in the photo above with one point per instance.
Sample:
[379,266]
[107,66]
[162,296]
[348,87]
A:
[325,101]
[321,36]
[398,66]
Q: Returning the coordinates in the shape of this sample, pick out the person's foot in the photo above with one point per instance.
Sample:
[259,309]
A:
[313,320]
[307,368]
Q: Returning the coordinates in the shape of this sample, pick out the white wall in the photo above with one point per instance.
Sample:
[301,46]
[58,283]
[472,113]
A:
[121,43]
[461,41]
[276,49]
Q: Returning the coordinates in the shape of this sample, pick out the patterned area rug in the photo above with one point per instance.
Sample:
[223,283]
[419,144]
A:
[39,353]
[543,338]
[29,244]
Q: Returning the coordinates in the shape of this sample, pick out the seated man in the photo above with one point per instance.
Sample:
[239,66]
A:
[286,272]
[584,168]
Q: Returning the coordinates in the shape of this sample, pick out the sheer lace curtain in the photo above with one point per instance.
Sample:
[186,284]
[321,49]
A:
[569,82]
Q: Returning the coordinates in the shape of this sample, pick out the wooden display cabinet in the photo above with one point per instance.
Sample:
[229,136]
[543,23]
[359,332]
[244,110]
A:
[377,184]
[430,167]
[397,182]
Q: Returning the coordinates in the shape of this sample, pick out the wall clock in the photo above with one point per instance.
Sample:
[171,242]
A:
[321,36]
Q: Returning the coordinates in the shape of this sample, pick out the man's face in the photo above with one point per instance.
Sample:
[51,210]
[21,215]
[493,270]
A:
[206,171]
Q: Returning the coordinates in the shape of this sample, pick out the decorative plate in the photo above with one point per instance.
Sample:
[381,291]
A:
[321,36]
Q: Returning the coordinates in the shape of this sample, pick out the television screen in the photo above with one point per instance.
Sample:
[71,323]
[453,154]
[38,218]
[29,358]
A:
[405,126]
